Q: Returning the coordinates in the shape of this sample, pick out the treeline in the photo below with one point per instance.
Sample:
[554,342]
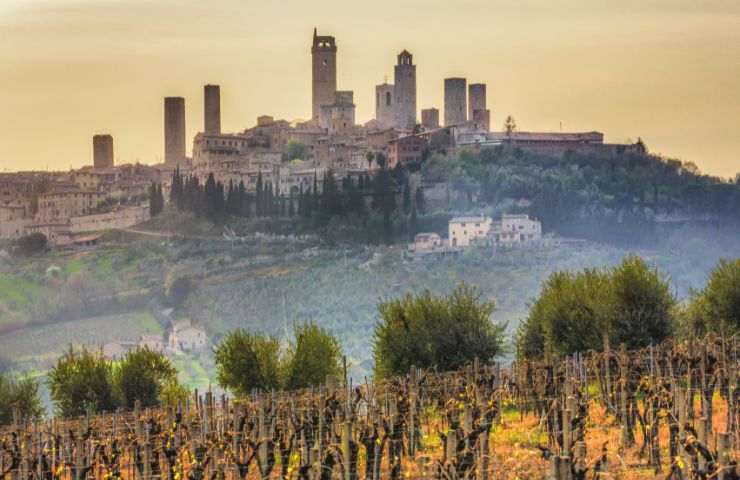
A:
[381,207]
[610,197]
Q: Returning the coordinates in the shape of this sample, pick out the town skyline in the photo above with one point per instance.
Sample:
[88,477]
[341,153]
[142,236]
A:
[84,91]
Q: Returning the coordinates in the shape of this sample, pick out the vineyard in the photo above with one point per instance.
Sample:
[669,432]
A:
[669,411]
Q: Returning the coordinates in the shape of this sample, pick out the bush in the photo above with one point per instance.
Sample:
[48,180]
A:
[31,244]
[20,396]
[429,331]
[314,356]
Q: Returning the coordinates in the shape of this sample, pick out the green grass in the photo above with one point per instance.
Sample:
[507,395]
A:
[17,290]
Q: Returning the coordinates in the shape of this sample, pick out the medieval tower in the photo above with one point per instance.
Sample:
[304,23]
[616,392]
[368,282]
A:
[405,91]
[456,109]
[477,111]
[102,151]
[385,105]
[174,130]
[212,109]
[324,84]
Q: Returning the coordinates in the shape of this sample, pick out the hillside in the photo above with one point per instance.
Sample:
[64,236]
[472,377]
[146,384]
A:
[265,283]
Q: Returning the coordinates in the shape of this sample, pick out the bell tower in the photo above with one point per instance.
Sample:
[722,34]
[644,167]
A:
[324,79]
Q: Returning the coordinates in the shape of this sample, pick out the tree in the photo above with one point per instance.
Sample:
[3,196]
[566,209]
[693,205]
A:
[643,304]
[384,200]
[717,307]
[246,361]
[576,312]
[143,375]
[178,289]
[295,150]
[156,199]
[314,355]
[19,399]
[427,331]
[419,200]
[31,244]
[406,196]
[81,381]
[509,126]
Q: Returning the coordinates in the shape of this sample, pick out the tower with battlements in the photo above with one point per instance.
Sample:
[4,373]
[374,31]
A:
[477,111]
[324,72]
[405,91]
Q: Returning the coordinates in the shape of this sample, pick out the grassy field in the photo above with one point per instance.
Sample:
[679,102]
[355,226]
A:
[37,347]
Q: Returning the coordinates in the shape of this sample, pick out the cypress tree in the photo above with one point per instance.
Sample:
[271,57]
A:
[259,195]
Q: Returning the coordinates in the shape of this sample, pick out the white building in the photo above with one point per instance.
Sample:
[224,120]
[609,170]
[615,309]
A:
[465,230]
[515,229]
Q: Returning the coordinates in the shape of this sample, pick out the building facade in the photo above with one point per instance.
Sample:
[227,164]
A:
[456,109]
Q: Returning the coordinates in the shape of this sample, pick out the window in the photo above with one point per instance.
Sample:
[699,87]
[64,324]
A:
[388,99]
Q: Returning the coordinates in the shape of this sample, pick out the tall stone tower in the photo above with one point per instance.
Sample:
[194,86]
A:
[102,151]
[385,105]
[477,111]
[324,85]
[212,109]
[174,130]
[456,109]
[405,87]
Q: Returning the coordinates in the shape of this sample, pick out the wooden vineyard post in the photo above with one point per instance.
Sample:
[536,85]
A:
[348,460]
[626,437]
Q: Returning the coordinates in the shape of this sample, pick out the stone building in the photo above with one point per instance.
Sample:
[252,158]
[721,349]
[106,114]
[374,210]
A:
[407,149]
[456,109]
[184,336]
[385,105]
[339,116]
[102,151]
[174,130]
[430,118]
[405,91]
[212,109]
[64,201]
[324,72]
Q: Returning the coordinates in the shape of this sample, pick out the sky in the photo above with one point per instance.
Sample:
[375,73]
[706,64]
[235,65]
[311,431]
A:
[667,71]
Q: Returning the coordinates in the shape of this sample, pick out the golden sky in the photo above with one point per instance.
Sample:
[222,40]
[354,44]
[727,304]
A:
[664,70]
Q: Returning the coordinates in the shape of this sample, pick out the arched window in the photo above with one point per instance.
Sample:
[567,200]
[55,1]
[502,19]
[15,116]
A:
[388,99]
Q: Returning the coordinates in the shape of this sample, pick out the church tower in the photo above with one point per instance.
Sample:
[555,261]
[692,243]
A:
[324,55]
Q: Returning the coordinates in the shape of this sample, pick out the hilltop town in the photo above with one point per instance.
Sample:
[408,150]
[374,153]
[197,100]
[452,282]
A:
[286,157]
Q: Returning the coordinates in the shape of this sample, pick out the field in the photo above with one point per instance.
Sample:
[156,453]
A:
[670,411]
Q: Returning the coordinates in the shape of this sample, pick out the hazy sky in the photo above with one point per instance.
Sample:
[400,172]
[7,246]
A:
[664,70]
